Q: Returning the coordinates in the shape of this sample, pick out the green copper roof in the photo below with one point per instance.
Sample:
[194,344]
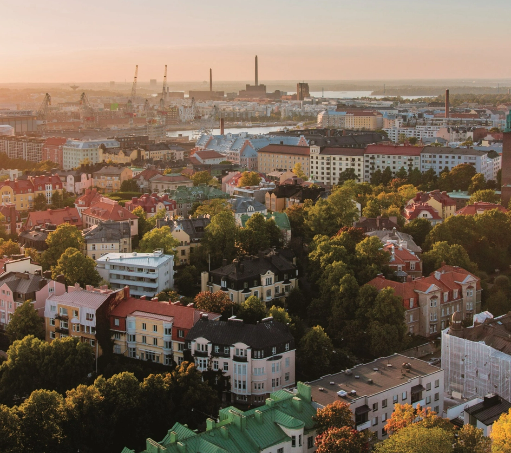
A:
[281,219]
[251,431]
[199,193]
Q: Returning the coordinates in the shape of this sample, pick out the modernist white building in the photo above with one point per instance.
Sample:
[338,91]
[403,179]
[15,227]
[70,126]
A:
[146,274]
[74,152]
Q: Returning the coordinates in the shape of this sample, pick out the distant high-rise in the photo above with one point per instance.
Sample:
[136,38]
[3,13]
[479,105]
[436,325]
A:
[506,164]
[447,103]
[302,91]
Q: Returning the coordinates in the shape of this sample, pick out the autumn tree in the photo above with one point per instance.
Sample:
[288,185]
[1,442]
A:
[218,302]
[9,430]
[201,177]
[9,248]
[58,241]
[405,415]
[501,434]
[470,439]
[334,415]
[298,171]
[159,238]
[345,440]
[484,195]
[25,321]
[477,183]
[213,207]
[252,310]
[76,268]
[249,178]
[417,438]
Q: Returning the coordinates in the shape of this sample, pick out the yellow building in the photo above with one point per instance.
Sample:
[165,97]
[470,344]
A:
[47,186]
[109,179]
[118,156]
[282,157]
[440,201]
[370,121]
[17,192]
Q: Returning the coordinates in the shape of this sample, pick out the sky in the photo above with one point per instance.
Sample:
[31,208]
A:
[102,40]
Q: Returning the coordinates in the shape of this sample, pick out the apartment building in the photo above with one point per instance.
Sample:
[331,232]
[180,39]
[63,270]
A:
[151,204]
[363,120]
[422,211]
[440,201]
[283,157]
[185,197]
[403,261]
[188,232]
[22,147]
[76,313]
[268,276]
[258,358]
[379,157]
[118,155]
[107,237]
[430,301]
[46,185]
[153,330]
[372,389]
[146,274]
[419,132]
[285,195]
[52,150]
[53,217]
[285,423]
[18,192]
[75,181]
[327,163]
[166,183]
[109,179]
[104,210]
[76,152]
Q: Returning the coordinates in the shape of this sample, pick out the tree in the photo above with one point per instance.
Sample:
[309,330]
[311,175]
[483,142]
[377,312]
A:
[33,254]
[159,238]
[252,310]
[249,178]
[376,177]
[9,430]
[220,238]
[130,185]
[461,176]
[418,438]
[470,439]
[9,248]
[186,280]
[280,314]
[25,321]
[218,302]
[334,415]
[454,255]
[501,434]
[40,202]
[76,268]
[58,241]
[296,216]
[298,171]
[342,440]
[213,207]
[168,295]
[57,201]
[485,195]
[315,352]
[201,177]
[386,176]
[419,229]
[143,224]
[412,140]
[348,175]
[478,182]
[259,234]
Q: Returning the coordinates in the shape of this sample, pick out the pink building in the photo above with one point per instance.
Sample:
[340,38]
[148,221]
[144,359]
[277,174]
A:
[52,150]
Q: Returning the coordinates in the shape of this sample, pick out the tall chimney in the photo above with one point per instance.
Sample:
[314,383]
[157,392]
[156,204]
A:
[256,73]
[505,196]
[210,79]
[221,126]
[447,103]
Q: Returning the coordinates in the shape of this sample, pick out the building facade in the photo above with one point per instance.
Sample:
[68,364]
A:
[283,157]
[109,179]
[327,163]
[76,152]
[107,237]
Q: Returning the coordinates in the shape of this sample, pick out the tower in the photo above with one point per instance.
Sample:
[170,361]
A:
[505,196]
[256,72]
[210,79]
[447,103]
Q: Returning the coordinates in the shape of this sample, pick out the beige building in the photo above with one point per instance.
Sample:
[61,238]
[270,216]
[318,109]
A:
[117,155]
[370,121]
[162,183]
[326,164]
[283,158]
[107,237]
[109,179]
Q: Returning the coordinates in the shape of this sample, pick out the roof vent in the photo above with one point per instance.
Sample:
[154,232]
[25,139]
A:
[369,381]
[349,372]
[357,377]
[332,383]
[321,389]
[353,393]
[375,369]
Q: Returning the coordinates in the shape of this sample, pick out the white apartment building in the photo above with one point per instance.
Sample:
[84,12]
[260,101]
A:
[326,164]
[379,157]
[419,132]
[331,118]
[75,152]
[372,389]
[146,274]
[258,358]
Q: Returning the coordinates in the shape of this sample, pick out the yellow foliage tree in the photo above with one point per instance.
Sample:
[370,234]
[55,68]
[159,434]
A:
[501,434]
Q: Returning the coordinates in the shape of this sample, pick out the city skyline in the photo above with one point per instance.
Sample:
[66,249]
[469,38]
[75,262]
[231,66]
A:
[60,42]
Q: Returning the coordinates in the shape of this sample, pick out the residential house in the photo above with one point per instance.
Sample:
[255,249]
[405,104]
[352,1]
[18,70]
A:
[75,181]
[107,209]
[209,157]
[107,237]
[185,197]
[90,197]
[144,177]
[166,183]
[153,330]
[480,207]
[283,424]
[119,156]
[281,220]
[378,223]
[151,204]
[283,158]
[20,263]
[246,206]
[422,211]
[109,179]
[380,156]
[188,232]
[441,202]
[486,412]
[18,192]
[403,261]
[258,359]
[54,217]
[46,186]
[35,237]
[77,152]
[430,301]
[12,221]
[397,237]
[286,195]
[372,389]
[268,276]
[146,274]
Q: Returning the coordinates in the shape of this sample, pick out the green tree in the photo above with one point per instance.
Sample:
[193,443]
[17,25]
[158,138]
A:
[201,177]
[386,176]
[418,229]
[454,255]
[9,430]
[376,177]
[252,310]
[129,185]
[25,321]
[143,223]
[259,234]
[9,248]
[348,175]
[76,268]
[33,254]
[498,303]
[296,215]
[478,182]
[485,195]
[315,353]
[298,171]
[159,238]
[186,280]
[40,202]
[412,140]
[333,415]
[168,295]
[57,200]
[461,176]
[213,207]
[501,434]
[249,178]
[418,438]
[58,241]
[219,239]
[342,440]
[218,302]
[470,439]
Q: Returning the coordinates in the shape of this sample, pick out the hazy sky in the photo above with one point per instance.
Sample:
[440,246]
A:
[102,40]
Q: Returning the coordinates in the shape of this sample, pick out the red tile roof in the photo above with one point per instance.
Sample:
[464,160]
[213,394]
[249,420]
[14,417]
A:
[412,211]
[90,197]
[209,154]
[286,149]
[55,141]
[41,181]
[149,202]
[394,150]
[441,197]
[479,207]
[147,174]
[107,209]
[18,186]
[54,217]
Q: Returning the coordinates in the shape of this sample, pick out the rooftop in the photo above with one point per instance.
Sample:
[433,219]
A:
[136,259]
[78,297]
[286,149]
[490,409]
[369,378]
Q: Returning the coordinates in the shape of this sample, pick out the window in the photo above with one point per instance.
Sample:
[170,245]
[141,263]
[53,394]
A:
[52,321]
[287,347]
[155,341]
[52,335]
[144,326]
[167,344]
[375,421]
[437,396]
[437,383]
[384,403]
[274,350]
[299,440]
[384,417]
[75,315]
[268,281]
[395,399]
[428,399]
[286,377]
[116,322]
[411,302]
[375,407]
[293,441]
[180,334]
[215,365]
[89,316]
[117,349]
[132,337]
[287,362]
[144,339]
[226,366]
[428,386]
[404,396]
[62,311]
[280,450]
[155,328]
[168,331]
[117,335]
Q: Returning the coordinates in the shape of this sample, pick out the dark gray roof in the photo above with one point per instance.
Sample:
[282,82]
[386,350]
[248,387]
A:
[490,409]
[255,266]
[23,283]
[241,205]
[109,230]
[195,228]
[257,336]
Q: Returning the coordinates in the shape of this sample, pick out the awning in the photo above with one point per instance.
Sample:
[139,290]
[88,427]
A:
[417,388]
[362,410]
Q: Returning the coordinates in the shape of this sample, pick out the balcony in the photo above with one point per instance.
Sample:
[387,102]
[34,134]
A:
[364,425]
[62,330]
[422,403]
[239,358]
[200,353]
[62,317]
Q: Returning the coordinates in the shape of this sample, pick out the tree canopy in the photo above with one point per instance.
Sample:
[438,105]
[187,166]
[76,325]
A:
[249,178]
[25,321]
[76,268]
[58,241]
[159,238]
[201,177]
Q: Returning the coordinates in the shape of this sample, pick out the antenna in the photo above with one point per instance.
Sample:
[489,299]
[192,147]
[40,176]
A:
[131,100]
[163,98]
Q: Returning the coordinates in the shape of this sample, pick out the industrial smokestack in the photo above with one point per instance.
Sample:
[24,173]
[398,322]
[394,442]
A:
[210,79]
[447,103]
[256,73]
[221,126]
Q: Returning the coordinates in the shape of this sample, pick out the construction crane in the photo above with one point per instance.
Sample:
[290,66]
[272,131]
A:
[163,99]
[42,113]
[86,110]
